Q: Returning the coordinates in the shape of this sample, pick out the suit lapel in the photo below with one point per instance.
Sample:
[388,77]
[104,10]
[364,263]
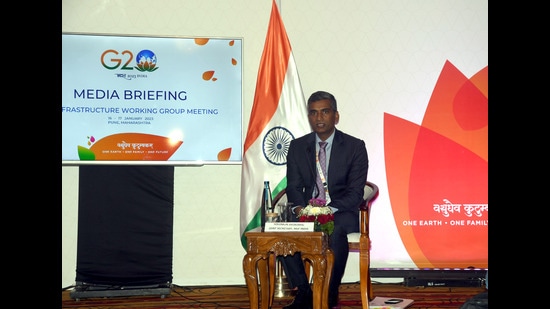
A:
[335,153]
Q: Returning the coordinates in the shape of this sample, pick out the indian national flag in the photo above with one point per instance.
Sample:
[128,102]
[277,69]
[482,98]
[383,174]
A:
[279,115]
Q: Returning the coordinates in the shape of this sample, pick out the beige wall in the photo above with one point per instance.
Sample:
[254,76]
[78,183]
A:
[374,56]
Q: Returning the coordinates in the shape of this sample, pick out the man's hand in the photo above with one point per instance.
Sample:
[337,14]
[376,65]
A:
[296,210]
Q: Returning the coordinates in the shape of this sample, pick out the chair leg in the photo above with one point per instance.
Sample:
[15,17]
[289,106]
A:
[369,284]
[364,272]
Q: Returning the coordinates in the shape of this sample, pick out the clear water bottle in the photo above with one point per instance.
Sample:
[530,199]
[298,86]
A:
[268,214]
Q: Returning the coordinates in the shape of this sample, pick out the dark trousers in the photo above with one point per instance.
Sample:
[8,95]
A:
[293,265]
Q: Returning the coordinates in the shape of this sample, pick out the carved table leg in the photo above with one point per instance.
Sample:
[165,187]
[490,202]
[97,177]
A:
[249,269]
[263,271]
[328,273]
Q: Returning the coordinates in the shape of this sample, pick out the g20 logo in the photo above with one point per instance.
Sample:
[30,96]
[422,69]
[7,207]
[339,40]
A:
[146,60]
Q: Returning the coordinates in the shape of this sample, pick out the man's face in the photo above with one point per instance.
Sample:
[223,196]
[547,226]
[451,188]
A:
[322,118]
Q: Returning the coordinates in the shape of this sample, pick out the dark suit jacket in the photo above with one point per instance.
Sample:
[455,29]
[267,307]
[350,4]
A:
[347,171]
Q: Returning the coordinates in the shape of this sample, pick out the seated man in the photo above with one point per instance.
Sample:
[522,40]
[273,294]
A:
[341,183]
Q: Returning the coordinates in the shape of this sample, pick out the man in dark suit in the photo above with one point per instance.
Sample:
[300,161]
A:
[347,167]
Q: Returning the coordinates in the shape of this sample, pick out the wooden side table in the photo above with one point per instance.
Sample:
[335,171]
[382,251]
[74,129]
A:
[264,247]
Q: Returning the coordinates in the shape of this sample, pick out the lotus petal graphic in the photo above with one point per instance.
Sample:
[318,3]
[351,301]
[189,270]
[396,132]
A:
[437,174]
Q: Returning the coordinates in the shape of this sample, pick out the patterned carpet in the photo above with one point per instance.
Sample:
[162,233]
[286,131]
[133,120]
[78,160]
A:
[236,297]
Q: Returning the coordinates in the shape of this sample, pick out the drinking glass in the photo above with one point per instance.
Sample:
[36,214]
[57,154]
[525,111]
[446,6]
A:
[272,217]
[285,211]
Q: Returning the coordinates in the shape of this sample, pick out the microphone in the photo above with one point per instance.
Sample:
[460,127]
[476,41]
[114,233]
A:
[308,150]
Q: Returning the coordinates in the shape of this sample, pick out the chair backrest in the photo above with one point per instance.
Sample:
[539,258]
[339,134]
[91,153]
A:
[280,197]
[369,195]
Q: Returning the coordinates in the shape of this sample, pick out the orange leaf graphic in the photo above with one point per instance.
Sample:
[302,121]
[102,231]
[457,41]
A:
[207,75]
[224,155]
[201,41]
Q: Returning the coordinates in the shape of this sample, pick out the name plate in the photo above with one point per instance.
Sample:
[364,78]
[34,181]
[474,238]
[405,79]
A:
[288,227]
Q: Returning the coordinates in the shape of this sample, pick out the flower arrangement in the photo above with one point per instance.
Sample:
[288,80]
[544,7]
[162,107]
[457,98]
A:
[318,212]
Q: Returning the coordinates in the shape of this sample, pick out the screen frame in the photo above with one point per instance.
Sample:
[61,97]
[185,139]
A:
[197,158]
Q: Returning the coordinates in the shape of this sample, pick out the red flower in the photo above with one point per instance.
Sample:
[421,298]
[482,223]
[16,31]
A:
[322,219]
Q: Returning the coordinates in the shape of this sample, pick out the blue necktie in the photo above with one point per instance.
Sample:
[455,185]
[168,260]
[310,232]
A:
[323,163]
